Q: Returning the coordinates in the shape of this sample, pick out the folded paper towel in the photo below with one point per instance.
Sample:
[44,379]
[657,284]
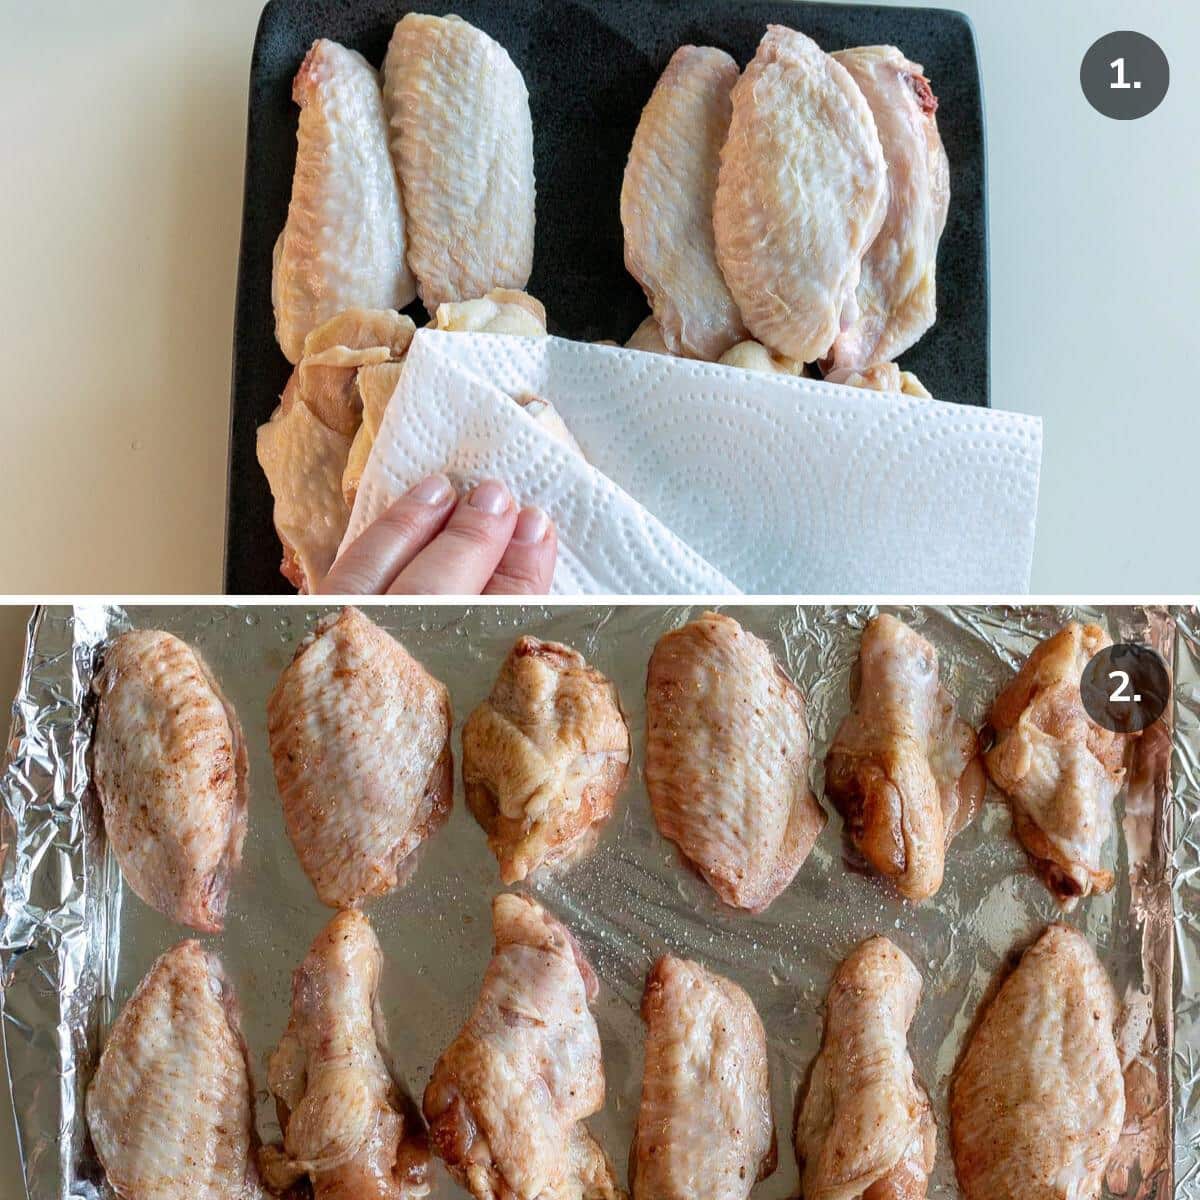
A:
[703,479]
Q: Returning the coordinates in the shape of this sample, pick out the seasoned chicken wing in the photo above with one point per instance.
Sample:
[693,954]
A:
[508,1097]
[727,756]
[462,141]
[169,768]
[704,1127]
[1059,769]
[360,737]
[345,1123]
[344,242]
[1037,1100]
[903,770]
[865,1127]
[171,1106]
[667,203]
[897,294]
[801,195]
[544,757]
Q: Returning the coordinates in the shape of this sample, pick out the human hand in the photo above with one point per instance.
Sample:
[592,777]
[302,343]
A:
[432,543]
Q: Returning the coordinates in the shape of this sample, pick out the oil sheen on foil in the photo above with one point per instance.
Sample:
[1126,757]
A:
[74,943]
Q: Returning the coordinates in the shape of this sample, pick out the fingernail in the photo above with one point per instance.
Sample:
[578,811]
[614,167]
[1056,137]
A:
[532,525]
[490,497]
[433,489]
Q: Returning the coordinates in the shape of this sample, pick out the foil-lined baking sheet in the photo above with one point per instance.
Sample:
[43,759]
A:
[73,945]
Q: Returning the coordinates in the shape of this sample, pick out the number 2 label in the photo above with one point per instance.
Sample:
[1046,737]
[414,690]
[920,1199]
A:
[1120,694]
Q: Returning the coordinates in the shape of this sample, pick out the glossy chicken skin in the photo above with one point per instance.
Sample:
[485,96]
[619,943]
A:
[667,202]
[344,241]
[544,757]
[169,767]
[1059,769]
[360,737]
[170,1107]
[704,1127]
[462,142]
[1037,1101]
[801,195]
[903,770]
[508,1097]
[865,1127]
[727,757]
[344,1121]
[897,294]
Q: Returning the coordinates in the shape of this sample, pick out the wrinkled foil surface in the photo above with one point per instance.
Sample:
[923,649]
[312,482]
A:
[72,948]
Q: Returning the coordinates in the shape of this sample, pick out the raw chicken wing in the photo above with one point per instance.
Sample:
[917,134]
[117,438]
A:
[866,1128]
[170,771]
[171,1106]
[648,338]
[897,295]
[544,757]
[462,141]
[1037,1101]
[508,1098]
[345,1124]
[343,244]
[903,770]
[754,356]
[802,194]
[502,310]
[705,1125]
[882,377]
[727,756]
[1060,770]
[667,203]
[360,737]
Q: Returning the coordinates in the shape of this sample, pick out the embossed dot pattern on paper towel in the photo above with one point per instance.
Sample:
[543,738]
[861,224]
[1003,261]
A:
[781,484]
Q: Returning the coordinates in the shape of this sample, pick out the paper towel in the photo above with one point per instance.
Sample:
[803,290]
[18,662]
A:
[702,474]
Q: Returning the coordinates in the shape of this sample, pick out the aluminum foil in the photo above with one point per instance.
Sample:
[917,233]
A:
[71,950]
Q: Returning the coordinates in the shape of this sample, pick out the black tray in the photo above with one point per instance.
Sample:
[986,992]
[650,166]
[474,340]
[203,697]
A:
[590,66]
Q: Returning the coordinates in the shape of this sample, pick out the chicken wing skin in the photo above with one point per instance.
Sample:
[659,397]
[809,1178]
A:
[171,1108]
[727,756]
[865,1127]
[462,142]
[345,1124]
[801,195]
[508,1097]
[648,338]
[1037,1101]
[360,737]
[897,294]
[169,767]
[344,242]
[667,203]
[881,377]
[1059,769]
[903,770]
[704,1127]
[544,757]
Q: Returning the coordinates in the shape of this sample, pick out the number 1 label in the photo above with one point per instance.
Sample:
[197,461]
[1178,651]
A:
[1118,65]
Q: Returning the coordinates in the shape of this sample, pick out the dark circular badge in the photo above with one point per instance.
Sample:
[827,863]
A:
[1126,688]
[1125,75]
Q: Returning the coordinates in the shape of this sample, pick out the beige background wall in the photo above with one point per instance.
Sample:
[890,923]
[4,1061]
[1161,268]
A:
[124,133]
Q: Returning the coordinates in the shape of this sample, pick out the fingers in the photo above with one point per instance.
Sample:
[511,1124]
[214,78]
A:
[527,566]
[390,543]
[462,558]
